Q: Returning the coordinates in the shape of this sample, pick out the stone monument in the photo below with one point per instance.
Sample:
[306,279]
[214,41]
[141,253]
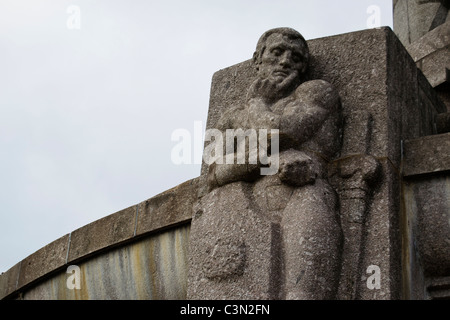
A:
[330,220]
[326,176]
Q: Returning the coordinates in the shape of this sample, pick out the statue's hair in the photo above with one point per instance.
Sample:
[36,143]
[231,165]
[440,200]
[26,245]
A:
[287,32]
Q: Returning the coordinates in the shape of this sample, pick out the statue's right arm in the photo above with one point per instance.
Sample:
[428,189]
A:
[220,174]
[316,101]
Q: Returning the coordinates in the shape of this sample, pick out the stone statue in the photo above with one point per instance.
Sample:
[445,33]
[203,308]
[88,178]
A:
[295,210]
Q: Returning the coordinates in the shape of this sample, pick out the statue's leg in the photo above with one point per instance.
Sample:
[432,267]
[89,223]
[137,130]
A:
[312,243]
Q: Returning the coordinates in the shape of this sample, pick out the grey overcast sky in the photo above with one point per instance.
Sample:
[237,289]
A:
[92,90]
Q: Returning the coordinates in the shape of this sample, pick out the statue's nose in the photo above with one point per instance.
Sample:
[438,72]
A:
[286,59]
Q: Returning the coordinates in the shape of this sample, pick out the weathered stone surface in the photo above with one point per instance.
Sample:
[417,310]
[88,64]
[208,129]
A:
[443,122]
[426,155]
[43,261]
[414,18]
[238,235]
[152,268]
[414,281]
[429,48]
[435,40]
[354,178]
[429,201]
[426,198]
[443,91]
[101,234]
[435,65]
[401,20]
[312,241]
[430,51]
[171,207]
[8,280]
[415,110]
[382,238]
[230,247]
[358,130]
[439,288]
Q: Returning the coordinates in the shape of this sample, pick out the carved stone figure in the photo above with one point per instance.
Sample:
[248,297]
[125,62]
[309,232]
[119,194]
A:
[296,209]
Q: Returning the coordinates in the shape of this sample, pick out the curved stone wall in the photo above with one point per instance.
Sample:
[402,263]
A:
[152,268]
[137,253]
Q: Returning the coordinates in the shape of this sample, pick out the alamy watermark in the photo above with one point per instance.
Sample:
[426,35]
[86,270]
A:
[374,19]
[234,146]
[374,280]
[74,19]
[73,281]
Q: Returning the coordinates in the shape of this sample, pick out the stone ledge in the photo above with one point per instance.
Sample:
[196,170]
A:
[8,280]
[168,209]
[103,233]
[43,261]
[429,154]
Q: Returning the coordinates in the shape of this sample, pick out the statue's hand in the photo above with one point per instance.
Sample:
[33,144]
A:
[297,168]
[260,116]
[260,89]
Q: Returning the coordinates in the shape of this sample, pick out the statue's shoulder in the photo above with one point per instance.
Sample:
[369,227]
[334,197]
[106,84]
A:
[318,91]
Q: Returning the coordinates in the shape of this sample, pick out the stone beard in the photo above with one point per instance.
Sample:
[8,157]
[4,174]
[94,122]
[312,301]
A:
[281,229]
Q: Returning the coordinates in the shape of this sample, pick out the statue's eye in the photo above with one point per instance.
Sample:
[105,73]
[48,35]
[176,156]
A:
[297,58]
[277,52]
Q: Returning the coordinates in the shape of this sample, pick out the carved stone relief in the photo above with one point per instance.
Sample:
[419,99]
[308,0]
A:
[297,204]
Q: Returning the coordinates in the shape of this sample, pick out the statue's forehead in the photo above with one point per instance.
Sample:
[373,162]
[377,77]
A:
[278,39]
